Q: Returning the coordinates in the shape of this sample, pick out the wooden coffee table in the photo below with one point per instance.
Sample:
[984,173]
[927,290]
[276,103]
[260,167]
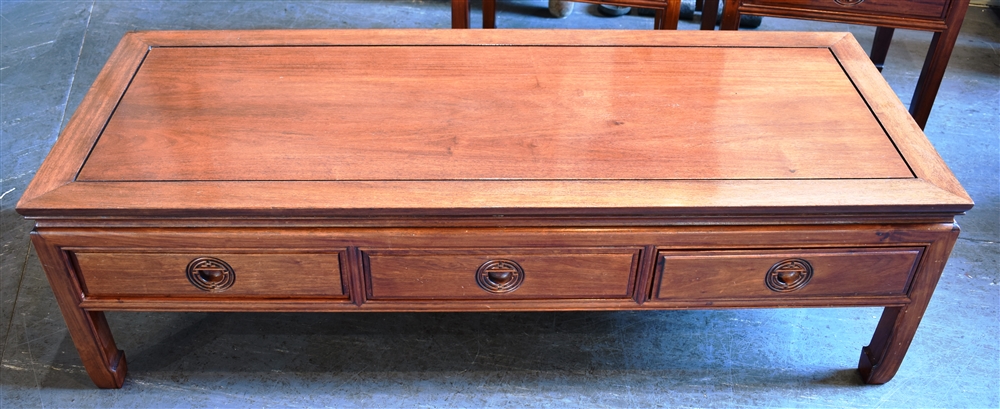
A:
[411,170]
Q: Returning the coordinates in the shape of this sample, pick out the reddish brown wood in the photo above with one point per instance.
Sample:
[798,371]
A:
[351,266]
[136,274]
[909,139]
[309,198]
[667,11]
[489,14]
[423,37]
[709,14]
[676,238]
[880,46]
[943,17]
[930,9]
[722,275]
[89,118]
[647,261]
[105,363]
[666,18]
[324,123]
[356,171]
[521,198]
[881,358]
[844,15]
[549,273]
[460,13]
[936,62]
[727,234]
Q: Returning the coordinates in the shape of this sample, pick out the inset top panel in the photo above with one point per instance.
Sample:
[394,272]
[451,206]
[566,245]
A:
[441,113]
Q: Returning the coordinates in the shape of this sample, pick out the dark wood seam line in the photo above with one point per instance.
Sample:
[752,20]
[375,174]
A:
[113,110]
[874,115]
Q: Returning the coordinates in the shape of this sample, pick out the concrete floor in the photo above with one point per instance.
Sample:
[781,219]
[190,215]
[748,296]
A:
[52,51]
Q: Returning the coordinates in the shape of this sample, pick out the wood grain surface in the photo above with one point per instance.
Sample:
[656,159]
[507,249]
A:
[740,275]
[475,113]
[551,273]
[388,122]
[904,8]
[163,273]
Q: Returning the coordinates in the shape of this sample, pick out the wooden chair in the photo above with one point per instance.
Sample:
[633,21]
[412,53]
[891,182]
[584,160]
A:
[667,12]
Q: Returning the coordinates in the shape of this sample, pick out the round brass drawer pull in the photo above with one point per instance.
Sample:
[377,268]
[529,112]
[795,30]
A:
[500,276]
[210,274]
[788,275]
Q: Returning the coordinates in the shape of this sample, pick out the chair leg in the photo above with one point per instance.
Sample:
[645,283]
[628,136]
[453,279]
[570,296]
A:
[666,18]
[489,13]
[459,13]
[933,72]
[880,45]
[730,15]
[709,13]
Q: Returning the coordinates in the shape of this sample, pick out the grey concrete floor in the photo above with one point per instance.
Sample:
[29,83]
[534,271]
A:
[52,51]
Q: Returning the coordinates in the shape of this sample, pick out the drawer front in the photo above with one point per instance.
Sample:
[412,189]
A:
[501,274]
[210,274]
[732,275]
[902,8]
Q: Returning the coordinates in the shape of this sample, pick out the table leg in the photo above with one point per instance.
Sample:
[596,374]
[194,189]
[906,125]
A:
[104,362]
[881,358]
[880,45]
[460,14]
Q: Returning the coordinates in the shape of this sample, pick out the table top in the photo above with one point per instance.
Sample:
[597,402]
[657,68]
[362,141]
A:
[349,123]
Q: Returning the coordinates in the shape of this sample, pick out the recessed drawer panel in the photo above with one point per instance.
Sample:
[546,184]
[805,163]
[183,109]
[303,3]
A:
[720,275]
[501,274]
[902,8]
[210,274]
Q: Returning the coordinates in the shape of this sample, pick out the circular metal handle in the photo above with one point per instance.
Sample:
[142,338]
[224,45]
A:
[788,275]
[848,3]
[500,276]
[210,274]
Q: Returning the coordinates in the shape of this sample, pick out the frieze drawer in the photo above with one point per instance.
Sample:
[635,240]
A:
[917,8]
[733,275]
[501,274]
[210,274]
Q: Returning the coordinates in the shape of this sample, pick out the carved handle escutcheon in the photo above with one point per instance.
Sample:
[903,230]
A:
[848,3]
[500,276]
[788,275]
[210,274]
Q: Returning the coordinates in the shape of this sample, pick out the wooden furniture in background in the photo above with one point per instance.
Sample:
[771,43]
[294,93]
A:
[460,13]
[381,170]
[942,17]
[667,11]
